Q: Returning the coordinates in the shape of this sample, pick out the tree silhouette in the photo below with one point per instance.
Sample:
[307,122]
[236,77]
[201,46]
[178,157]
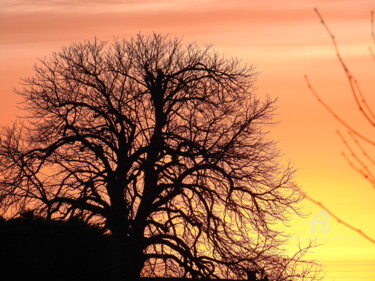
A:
[163,146]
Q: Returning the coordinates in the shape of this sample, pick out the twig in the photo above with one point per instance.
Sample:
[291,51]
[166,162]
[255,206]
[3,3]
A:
[362,149]
[354,86]
[338,118]
[320,204]
[364,170]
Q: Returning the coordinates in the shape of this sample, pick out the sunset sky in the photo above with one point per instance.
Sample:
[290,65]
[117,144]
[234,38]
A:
[284,40]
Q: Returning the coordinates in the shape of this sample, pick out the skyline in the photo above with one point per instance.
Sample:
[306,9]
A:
[284,41]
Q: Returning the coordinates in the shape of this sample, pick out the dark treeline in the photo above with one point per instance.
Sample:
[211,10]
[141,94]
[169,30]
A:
[33,248]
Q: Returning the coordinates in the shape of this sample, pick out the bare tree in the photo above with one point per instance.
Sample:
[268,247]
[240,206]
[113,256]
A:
[357,143]
[163,145]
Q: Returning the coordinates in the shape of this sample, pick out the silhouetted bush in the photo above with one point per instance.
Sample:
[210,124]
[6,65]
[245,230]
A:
[33,248]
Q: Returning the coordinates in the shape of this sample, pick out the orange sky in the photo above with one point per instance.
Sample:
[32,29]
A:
[284,40]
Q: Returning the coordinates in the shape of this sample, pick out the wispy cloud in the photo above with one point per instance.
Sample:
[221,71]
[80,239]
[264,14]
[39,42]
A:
[63,6]
[28,21]
[40,26]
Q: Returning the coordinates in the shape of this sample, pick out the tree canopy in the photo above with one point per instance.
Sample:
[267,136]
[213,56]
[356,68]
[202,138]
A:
[163,145]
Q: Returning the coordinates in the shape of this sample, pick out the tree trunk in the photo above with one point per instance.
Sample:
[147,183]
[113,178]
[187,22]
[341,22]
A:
[126,258]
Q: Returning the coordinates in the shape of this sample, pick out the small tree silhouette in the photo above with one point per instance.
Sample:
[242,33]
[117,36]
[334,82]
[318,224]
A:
[358,158]
[161,144]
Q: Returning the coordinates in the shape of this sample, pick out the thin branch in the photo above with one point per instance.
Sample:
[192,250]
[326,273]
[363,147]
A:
[321,205]
[363,170]
[354,86]
[365,154]
[333,113]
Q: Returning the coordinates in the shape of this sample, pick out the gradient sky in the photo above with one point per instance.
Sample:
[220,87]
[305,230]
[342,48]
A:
[284,40]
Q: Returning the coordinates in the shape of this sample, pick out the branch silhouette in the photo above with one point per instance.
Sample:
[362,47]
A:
[332,214]
[353,159]
[356,91]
